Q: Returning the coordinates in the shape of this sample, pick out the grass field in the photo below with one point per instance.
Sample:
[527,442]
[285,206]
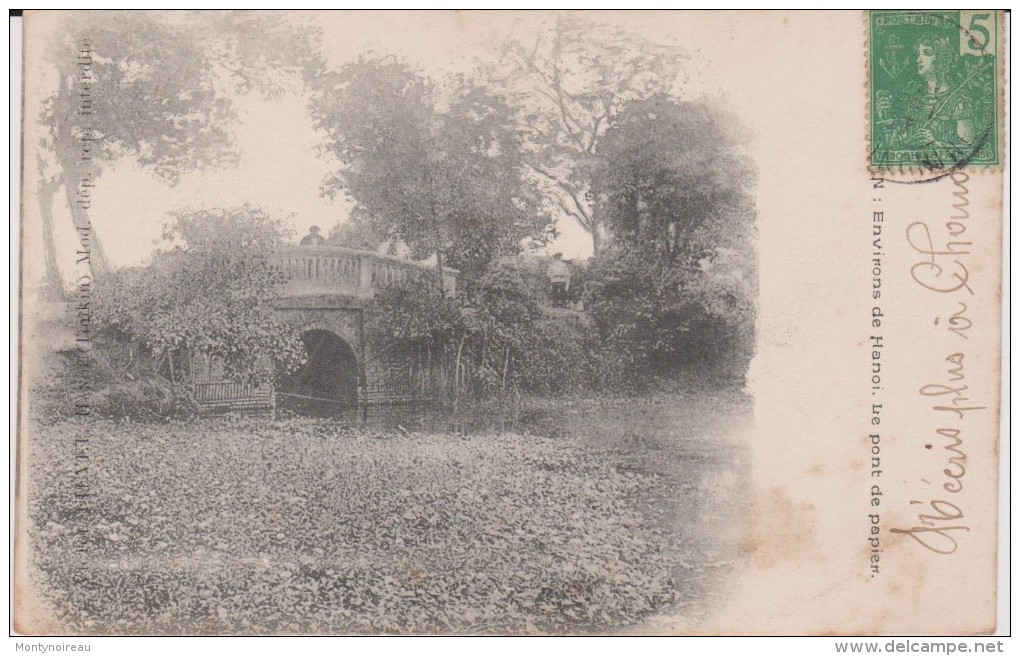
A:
[587,517]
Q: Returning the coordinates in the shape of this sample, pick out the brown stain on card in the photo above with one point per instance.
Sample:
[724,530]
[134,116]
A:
[463,21]
[32,616]
[779,530]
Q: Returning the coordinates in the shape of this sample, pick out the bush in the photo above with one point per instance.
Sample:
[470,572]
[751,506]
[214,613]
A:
[492,340]
[206,295]
[145,399]
[414,314]
[665,322]
[562,358]
[88,383]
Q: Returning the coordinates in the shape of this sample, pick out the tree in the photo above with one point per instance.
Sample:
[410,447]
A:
[672,179]
[437,166]
[207,295]
[154,88]
[570,86]
[678,286]
[358,231]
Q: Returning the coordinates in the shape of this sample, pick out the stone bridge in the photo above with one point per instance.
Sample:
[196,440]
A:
[323,301]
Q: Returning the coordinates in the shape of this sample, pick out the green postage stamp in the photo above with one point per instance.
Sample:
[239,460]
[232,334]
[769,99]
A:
[934,89]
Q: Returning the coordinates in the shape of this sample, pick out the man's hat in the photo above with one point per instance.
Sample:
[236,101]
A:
[314,228]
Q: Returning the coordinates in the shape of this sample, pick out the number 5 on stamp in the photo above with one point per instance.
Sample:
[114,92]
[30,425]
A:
[978,34]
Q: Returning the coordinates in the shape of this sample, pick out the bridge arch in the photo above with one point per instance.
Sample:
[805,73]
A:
[328,380]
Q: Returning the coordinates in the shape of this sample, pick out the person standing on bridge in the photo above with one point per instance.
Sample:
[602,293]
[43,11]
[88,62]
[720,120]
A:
[313,238]
[559,277]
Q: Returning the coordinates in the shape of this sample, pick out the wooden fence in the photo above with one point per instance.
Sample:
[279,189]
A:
[234,397]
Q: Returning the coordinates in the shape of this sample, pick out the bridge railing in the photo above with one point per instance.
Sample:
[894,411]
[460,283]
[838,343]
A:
[335,269]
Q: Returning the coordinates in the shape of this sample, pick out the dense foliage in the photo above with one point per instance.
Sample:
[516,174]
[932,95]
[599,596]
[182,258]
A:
[414,314]
[250,527]
[205,297]
[496,338]
[437,166]
[676,289]
[659,324]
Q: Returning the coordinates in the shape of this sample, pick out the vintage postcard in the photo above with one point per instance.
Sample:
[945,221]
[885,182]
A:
[532,323]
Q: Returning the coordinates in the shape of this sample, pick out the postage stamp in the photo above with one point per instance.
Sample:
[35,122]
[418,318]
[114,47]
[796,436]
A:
[933,91]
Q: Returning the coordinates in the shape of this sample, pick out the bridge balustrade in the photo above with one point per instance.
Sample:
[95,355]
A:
[317,270]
